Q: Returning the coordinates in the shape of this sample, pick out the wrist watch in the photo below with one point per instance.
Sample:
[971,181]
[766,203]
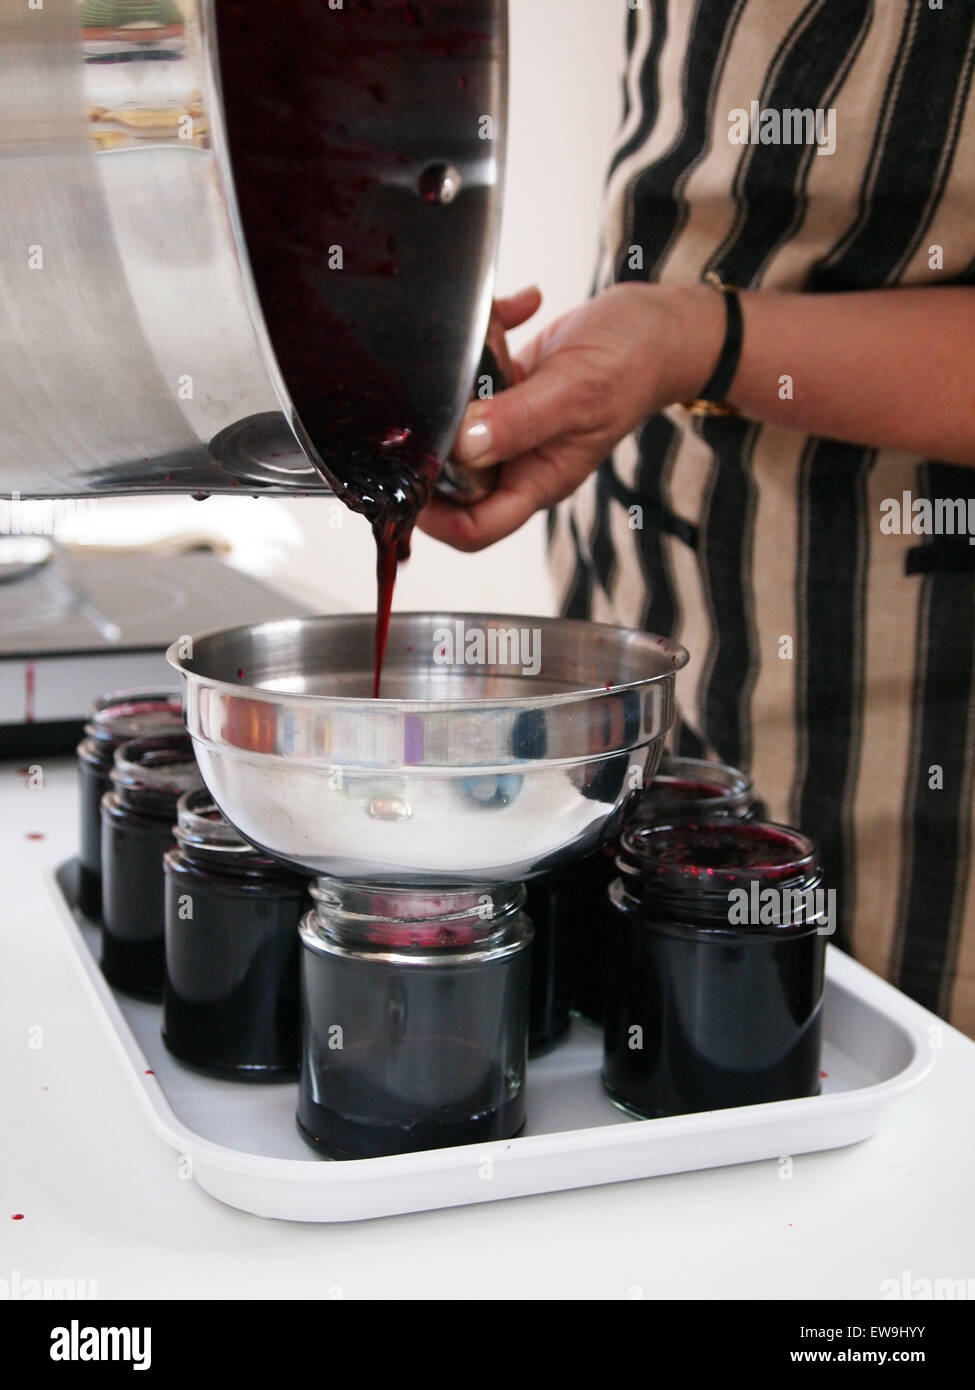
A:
[712,401]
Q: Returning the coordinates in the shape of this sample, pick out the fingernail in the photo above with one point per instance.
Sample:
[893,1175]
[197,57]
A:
[473,443]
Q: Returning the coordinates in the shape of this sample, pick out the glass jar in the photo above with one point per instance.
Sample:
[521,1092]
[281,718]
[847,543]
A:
[114,718]
[548,1013]
[230,993]
[148,777]
[683,789]
[415,1017]
[716,968]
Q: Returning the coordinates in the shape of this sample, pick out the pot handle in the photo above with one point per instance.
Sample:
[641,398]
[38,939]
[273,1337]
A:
[457,483]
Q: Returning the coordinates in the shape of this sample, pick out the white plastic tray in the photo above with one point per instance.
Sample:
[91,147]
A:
[245,1150]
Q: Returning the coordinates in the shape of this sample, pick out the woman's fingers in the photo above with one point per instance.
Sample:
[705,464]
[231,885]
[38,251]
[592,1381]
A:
[526,485]
[529,414]
[474,528]
[589,378]
[516,309]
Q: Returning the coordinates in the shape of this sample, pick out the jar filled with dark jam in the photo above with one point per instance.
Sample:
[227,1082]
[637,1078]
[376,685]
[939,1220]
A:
[548,1014]
[230,993]
[148,777]
[114,718]
[415,1018]
[683,789]
[716,967]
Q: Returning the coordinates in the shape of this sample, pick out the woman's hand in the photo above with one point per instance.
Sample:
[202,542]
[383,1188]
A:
[580,387]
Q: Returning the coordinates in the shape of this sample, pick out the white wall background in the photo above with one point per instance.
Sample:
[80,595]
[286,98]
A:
[566,56]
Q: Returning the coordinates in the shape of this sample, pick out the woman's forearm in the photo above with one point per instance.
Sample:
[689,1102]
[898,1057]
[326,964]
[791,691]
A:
[890,369]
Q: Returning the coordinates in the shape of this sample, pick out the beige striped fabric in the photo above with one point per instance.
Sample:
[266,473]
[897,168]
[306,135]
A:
[863,731]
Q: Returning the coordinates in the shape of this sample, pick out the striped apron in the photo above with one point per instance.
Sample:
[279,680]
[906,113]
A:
[830,659]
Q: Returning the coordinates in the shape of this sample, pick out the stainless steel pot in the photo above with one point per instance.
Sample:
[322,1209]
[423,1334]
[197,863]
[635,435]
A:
[149,319]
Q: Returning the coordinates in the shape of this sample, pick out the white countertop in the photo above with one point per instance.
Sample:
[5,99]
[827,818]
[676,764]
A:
[102,1198]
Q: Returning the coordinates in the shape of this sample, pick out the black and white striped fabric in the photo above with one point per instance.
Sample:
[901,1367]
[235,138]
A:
[751,534]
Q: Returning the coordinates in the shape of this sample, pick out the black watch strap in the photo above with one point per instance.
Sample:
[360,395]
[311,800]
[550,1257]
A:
[712,401]
[724,373]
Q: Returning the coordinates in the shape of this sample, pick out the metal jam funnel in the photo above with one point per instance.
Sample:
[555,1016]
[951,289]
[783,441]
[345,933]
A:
[502,747]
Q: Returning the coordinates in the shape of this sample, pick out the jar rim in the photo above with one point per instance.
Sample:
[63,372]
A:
[662,856]
[389,948]
[391,905]
[161,763]
[728,783]
[798,912]
[134,713]
[201,824]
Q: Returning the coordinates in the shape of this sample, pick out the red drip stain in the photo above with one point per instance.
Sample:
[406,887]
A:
[240,673]
[17,1216]
[149,1071]
[30,691]
[35,835]
[169,477]
[824,1074]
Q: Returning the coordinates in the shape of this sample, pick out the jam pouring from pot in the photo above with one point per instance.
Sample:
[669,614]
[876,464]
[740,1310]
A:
[392,484]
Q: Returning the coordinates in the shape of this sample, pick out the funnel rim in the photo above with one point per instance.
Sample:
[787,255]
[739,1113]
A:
[661,647]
